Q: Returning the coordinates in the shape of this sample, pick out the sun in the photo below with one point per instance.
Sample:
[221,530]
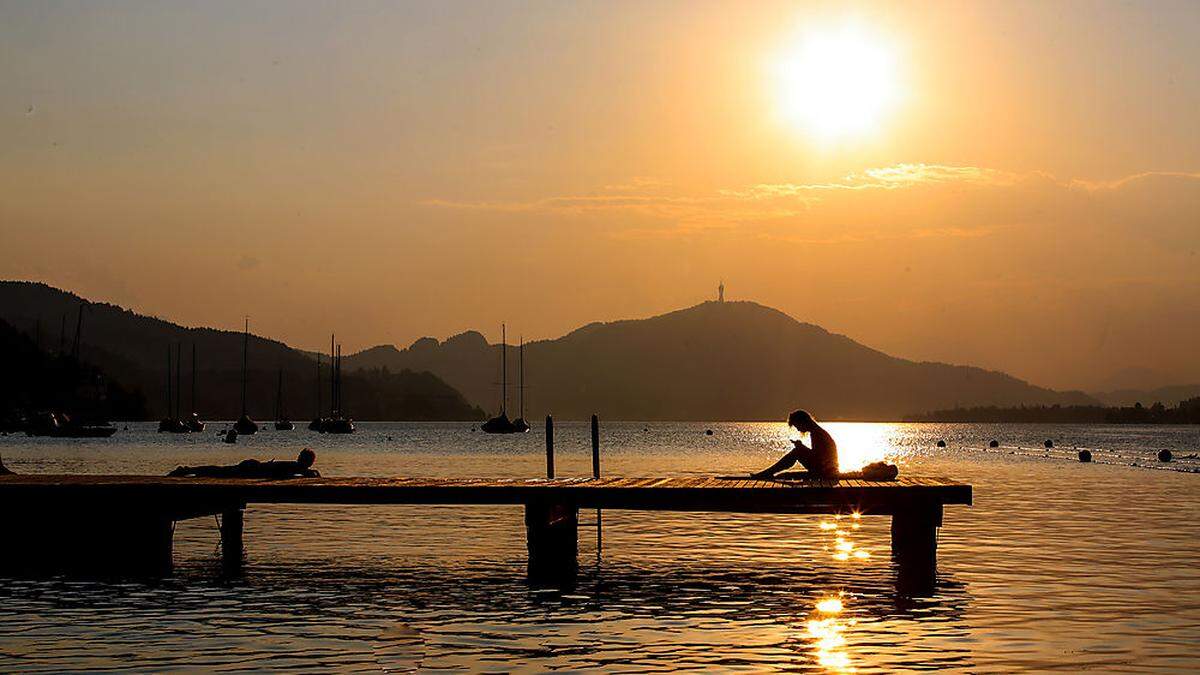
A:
[838,83]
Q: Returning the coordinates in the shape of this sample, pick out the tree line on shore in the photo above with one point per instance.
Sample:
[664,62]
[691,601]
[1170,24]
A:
[1186,412]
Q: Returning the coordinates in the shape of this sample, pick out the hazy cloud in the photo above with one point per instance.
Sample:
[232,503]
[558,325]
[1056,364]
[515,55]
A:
[920,200]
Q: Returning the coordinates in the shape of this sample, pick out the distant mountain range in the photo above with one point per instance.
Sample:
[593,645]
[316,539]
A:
[131,350]
[717,360]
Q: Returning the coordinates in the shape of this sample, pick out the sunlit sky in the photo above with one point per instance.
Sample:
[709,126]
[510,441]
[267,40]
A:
[1014,185]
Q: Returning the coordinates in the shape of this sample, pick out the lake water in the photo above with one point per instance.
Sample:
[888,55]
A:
[1058,565]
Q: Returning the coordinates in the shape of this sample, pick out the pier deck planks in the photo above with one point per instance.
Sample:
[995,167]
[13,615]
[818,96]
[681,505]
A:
[684,493]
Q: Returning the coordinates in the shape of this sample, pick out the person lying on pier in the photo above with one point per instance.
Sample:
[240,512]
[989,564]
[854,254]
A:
[252,468]
[821,459]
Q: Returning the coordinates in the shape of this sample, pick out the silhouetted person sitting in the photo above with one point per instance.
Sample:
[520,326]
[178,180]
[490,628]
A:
[821,459]
[252,468]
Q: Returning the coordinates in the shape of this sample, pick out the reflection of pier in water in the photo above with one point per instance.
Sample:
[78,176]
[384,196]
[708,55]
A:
[125,523]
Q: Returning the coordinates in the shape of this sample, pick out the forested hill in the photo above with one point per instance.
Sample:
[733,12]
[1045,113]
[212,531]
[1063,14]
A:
[716,360]
[131,349]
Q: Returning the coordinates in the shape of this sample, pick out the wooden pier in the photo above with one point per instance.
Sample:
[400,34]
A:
[124,524]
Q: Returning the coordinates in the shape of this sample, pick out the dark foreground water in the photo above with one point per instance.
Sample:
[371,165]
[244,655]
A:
[1058,566]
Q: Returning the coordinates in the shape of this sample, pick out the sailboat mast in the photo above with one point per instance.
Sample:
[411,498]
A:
[521,381]
[169,399]
[193,377]
[318,415]
[332,377]
[178,382]
[78,332]
[245,348]
[279,396]
[503,370]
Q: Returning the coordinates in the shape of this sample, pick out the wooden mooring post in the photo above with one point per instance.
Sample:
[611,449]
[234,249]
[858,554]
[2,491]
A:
[549,447]
[595,446]
[596,475]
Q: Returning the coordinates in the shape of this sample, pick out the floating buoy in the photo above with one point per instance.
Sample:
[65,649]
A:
[1164,455]
[708,432]
[1049,444]
[994,444]
[941,444]
[1085,455]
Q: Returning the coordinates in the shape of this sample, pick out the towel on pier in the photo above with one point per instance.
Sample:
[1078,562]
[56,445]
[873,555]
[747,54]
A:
[878,471]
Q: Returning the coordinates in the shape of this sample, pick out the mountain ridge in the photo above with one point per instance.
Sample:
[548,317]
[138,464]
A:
[659,363]
[132,347]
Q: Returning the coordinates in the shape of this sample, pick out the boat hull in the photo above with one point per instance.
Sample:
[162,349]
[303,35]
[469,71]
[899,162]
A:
[245,426]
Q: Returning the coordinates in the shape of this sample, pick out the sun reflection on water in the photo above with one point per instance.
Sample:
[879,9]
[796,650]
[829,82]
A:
[842,548]
[826,628]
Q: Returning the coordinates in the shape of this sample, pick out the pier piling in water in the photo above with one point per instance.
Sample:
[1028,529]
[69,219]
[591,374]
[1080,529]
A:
[233,524]
[552,539]
[914,545]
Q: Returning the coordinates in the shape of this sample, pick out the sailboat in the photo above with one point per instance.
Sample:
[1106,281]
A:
[317,424]
[500,424]
[245,425]
[171,424]
[338,423]
[58,423]
[193,422]
[282,423]
[520,425]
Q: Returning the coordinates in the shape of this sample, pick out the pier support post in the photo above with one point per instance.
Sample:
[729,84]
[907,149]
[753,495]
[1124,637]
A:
[232,549]
[552,537]
[142,545]
[914,546]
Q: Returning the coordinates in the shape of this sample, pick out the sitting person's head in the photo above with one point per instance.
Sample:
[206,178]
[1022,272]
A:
[802,421]
[306,458]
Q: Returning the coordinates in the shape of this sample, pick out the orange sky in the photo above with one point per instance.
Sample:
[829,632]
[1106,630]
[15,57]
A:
[1027,200]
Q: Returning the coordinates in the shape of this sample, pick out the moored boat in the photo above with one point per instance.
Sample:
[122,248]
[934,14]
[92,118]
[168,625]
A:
[338,422]
[60,425]
[501,424]
[244,425]
[171,424]
[282,423]
[193,421]
[520,426]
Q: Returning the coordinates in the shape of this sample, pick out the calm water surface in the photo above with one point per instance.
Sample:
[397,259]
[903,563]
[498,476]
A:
[1058,566]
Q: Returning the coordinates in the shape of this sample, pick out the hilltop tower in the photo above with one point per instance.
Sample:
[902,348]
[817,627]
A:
[721,291]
